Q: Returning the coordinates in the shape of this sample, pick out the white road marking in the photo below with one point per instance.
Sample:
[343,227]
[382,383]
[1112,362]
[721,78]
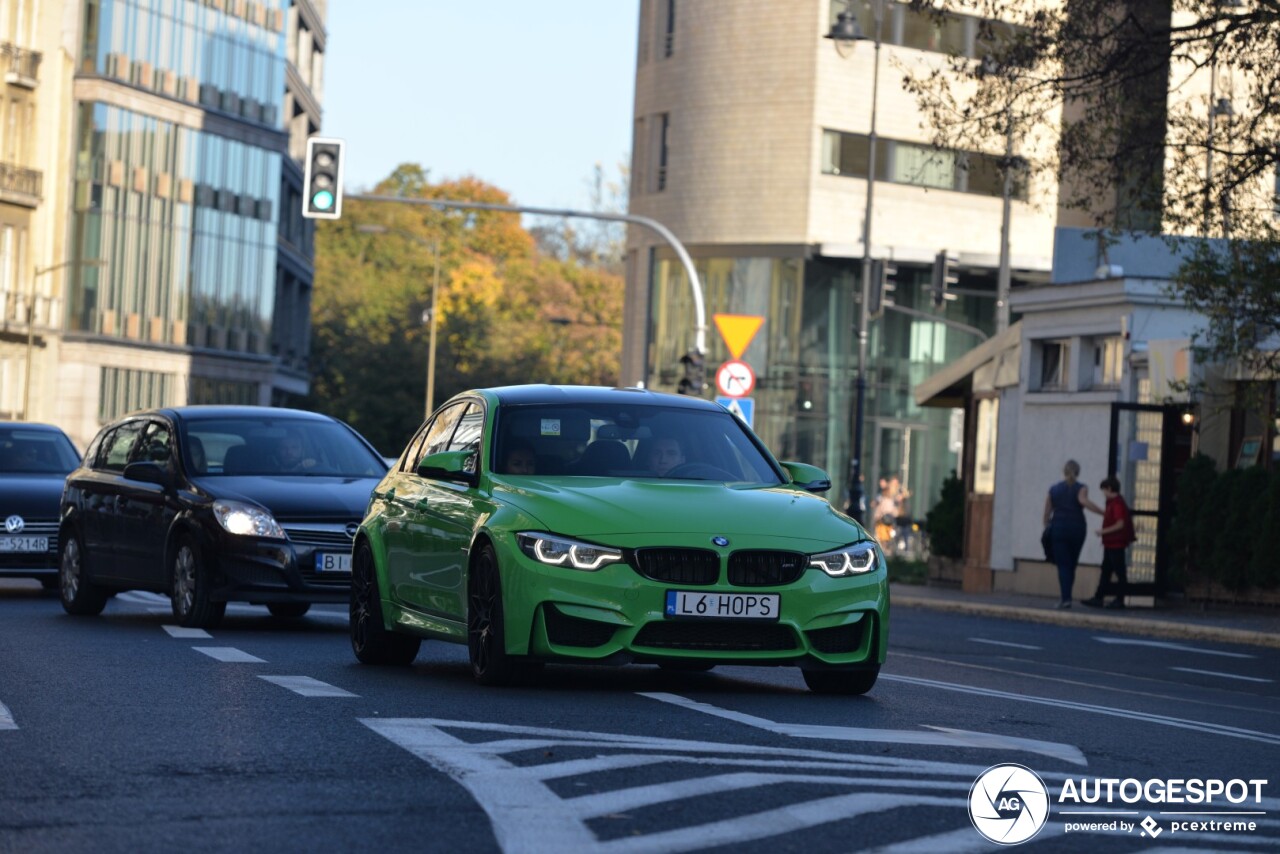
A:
[1223,675]
[183,632]
[1180,723]
[229,654]
[1180,647]
[141,597]
[961,841]
[6,718]
[1005,643]
[308,687]
[940,736]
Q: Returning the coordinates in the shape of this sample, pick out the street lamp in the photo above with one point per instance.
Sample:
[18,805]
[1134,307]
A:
[435,290]
[845,32]
[31,324]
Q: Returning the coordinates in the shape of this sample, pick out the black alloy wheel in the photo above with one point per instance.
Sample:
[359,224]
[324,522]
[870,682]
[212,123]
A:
[189,585]
[79,596]
[486,634]
[370,640]
[289,610]
[847,682]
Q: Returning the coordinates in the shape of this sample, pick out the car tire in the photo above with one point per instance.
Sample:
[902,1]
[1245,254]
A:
[846,682]
[491,664]
[189,589]
[79,596]
[289,610]
[686,666]
[370,640]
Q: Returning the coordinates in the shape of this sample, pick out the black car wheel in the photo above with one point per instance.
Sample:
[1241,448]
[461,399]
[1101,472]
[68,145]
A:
[370,640]
[79,595]
[848,682]
[289,610]
[192,605]
[486,636]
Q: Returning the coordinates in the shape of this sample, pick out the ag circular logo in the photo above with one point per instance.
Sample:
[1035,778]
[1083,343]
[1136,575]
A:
[1008,804]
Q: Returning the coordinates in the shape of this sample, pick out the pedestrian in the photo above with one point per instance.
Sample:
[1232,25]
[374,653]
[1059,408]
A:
[885,516]
[1064,508]
[1116,533]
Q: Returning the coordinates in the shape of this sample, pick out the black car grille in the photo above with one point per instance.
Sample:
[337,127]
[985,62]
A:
[564,630]
[679,566]
[47,559]
[331,537]
[717,636]
[839,639]
[765,568]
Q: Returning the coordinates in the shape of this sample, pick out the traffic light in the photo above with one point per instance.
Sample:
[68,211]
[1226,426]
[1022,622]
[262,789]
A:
[944,276]
[884,281]
[694,380]
[322,182]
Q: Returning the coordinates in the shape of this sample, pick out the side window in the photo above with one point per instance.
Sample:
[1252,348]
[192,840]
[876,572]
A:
[117,447]
[155,445]
[438,434]
[470,428]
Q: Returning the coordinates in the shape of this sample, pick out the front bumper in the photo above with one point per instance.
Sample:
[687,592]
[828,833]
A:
[42,565]
[261,571]
[616,615]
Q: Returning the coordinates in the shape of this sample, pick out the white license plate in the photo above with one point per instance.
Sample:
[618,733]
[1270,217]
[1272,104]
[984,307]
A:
[723,606]
[333,562]
[24,544]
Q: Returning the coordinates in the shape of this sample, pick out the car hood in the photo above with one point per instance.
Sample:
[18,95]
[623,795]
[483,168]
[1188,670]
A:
[296,497]
[31,496]
[587,507]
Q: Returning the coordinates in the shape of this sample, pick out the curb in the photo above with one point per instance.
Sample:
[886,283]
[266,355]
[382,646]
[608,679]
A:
[1110,623]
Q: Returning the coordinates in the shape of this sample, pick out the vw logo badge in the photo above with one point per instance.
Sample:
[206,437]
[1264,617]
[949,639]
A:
[351,530]
[14,524]
[720,541]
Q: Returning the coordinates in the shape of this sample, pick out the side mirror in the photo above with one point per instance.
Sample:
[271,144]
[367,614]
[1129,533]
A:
[450,465]
[807,477]
[147,473]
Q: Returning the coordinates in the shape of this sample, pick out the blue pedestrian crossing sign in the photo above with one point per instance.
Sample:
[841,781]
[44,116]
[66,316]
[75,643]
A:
[743,407]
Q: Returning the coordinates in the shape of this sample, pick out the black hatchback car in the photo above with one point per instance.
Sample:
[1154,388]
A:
[34,462]
[211,504]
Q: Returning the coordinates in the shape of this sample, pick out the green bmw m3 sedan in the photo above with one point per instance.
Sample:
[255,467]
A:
[544,524]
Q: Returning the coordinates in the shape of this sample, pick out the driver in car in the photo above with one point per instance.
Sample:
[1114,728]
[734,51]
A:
[290,455]
[664,455]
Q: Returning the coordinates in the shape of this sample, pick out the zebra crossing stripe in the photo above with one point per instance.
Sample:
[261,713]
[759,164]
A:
[182,632]
[229,654]
[308,687]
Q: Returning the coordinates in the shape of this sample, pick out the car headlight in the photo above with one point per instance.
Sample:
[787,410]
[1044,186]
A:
[856,559]
[560,551]
[246,520]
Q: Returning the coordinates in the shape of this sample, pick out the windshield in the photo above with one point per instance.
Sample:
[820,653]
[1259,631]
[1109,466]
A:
[24,450]
[632,441]
[277,446]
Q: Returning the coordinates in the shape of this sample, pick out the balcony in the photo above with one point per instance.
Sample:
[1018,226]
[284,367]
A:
[20,65]
[19,186]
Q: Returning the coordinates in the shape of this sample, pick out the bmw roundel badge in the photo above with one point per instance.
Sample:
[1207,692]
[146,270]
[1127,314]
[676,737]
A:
[720,541]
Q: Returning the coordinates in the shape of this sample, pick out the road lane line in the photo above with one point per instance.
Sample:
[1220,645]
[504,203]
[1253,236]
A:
[1180,647]
[931,735]
[1180,723]
[229,654]
[184,632]
[6,718]
[141,597]
[1223,675]
[962,841]
[1006,643]
[308,687]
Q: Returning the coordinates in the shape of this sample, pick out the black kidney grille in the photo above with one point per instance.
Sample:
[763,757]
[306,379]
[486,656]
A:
[679,566]
[720,636]
[839,639]
[564,630]
[765,568]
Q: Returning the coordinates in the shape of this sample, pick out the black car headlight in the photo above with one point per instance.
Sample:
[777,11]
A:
[246,520]
[855,559]
[561,551]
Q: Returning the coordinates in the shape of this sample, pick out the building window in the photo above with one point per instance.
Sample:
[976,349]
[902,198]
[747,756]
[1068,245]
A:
[124,390]
[918,165]
[927,29]
[1108,360]
[984,457]
[661,129]
[1054,356]
[669,34]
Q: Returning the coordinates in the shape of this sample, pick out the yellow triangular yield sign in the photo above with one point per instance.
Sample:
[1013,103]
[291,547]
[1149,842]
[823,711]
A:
[737,330]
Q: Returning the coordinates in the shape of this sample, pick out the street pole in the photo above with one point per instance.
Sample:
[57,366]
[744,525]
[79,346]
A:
[1006,212]
[31,326]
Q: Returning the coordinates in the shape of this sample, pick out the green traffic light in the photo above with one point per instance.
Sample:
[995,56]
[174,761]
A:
[322,200]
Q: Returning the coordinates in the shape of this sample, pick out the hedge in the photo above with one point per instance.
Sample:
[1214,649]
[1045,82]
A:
[1226,526]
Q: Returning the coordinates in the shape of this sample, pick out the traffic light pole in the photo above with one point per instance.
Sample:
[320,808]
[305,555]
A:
[699,304]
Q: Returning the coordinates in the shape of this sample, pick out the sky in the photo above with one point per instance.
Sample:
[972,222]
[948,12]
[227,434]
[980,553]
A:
[527,96]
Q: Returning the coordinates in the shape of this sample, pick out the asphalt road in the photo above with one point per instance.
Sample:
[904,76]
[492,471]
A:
[117,735]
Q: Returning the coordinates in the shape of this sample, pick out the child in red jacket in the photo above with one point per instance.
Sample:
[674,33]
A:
[1117,533]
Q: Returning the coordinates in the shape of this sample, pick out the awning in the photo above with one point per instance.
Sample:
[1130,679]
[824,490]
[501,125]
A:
[948,387]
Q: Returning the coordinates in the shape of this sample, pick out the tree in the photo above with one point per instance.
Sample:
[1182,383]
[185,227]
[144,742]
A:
[1113,100]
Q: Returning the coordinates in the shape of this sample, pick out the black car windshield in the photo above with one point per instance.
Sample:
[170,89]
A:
[276,446]
[628,441]
[25,450]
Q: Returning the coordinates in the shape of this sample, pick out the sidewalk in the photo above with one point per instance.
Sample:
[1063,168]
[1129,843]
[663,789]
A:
[1179,620]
